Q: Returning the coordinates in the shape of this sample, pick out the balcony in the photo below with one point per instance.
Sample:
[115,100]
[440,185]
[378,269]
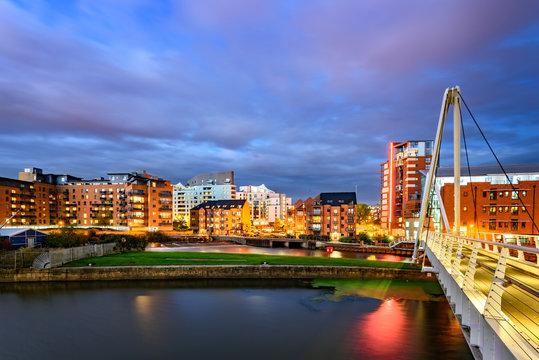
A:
[165,193]
[165,208]
[136,193]
[165,201]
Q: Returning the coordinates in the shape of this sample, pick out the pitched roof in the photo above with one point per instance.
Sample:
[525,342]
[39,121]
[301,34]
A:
[7,232]
[336,198]
[221,204]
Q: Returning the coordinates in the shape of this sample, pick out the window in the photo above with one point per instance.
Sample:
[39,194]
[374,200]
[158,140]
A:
[500,194]
[523,193]
[464,208]
[492,210]
[492,225]
[484,209]
[465,194]
[484,194]
[514,225]
[514,210]
[514,195]
[493,195]
[523,224]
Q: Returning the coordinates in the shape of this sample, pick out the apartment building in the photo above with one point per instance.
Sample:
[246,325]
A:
[265,205]
[220,217]
[498,207]
[133,200]
[330,214]
[401,186]
[201,188]
[296,219]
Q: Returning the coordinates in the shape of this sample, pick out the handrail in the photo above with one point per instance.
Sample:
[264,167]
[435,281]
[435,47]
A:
[494,243]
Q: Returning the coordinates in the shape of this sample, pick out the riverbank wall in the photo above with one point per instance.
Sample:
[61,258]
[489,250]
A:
[210,272]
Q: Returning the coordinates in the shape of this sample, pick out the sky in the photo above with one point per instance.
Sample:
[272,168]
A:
[301,95]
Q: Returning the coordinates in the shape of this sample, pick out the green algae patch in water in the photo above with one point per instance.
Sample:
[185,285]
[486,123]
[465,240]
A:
[381,289]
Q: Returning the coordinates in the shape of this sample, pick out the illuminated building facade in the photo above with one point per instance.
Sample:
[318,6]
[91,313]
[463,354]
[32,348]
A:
[401,186]
[328,214]
[266,205]
[134,200]
[498,208]
[221,217]
[201,188]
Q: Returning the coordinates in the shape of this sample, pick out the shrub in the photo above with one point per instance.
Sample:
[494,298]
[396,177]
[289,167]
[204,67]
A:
[156,236]
[383,239]
[131,242]
[363,236]
[347,239]
[65,238]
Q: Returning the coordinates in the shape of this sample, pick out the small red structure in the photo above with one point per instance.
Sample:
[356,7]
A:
[329,249]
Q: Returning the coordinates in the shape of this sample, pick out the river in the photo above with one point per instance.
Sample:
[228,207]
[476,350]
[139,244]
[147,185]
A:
[229,319]
[245,249]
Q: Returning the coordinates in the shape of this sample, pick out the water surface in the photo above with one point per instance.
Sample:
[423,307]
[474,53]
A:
[246,249]
[229,319]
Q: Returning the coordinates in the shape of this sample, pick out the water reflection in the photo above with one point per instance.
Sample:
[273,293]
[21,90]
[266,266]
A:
[225,320]
[245,249]
[382,332]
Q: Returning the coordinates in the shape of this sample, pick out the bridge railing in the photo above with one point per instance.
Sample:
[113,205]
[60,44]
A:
[500,279]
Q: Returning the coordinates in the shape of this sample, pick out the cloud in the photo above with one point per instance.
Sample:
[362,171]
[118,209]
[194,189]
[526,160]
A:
[303,96]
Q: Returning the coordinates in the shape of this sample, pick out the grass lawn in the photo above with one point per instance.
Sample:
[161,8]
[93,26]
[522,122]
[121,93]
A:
[198,258]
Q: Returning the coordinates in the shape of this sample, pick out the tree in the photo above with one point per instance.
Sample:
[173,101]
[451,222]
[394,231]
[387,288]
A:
[278,224]
[362,213]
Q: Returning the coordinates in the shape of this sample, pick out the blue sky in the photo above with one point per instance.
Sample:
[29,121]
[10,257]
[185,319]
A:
[303,96]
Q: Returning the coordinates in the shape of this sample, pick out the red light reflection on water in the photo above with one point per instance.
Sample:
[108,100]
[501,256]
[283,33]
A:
[382,334]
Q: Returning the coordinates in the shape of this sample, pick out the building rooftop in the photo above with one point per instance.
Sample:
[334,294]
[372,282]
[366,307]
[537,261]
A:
[336,198]
[489,170]
[217,178]
[221,204]
[7,231]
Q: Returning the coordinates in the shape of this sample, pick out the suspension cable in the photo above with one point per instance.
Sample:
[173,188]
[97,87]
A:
[469,171]
[500,165]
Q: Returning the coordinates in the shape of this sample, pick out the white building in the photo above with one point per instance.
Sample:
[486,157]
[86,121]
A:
[201,188]
[266,205]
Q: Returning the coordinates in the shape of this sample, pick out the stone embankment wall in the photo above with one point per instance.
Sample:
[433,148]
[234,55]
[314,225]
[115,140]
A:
[210,272]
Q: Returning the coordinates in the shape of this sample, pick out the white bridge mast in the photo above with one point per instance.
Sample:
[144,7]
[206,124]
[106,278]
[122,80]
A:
[451,96]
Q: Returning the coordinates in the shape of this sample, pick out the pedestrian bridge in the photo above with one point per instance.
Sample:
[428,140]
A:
[493,288]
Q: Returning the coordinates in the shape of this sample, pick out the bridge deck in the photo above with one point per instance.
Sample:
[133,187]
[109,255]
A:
[520,301]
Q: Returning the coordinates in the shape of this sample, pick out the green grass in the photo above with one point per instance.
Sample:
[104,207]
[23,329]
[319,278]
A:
[197,258]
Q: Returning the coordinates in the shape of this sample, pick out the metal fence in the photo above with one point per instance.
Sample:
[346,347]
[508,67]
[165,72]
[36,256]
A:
[50,258]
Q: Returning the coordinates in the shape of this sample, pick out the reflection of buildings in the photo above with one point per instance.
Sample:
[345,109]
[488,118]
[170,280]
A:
[220,217]
[401,186]
[201,188]
[498,208]
[266,205]
[129,200]
[329,214]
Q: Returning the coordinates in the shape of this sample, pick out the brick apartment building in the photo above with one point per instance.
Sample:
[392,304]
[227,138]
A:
[401,186]
[134,200]
[498,208]
[331,214]
[221,217]
[296,218]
